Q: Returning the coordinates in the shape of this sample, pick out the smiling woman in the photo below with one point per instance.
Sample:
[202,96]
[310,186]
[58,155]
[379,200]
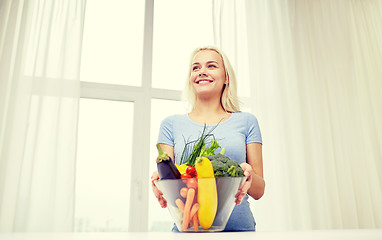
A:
[215,109]
[215,63]
[208,74]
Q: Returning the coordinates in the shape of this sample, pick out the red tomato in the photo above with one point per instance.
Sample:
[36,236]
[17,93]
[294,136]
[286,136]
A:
[191,170]
[185,175]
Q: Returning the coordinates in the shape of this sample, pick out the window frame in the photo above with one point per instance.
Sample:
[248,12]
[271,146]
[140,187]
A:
[141,96]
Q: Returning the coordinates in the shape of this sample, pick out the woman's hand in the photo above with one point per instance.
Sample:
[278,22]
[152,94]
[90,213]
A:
[243,189]
[158,194]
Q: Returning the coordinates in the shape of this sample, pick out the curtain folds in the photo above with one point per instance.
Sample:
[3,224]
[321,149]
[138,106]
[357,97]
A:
[39,96]
[315,75]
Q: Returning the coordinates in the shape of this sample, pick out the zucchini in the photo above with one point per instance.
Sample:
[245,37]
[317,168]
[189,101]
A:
[207,192]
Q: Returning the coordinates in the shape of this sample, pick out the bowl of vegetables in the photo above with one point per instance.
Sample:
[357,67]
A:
[200,204]
[200,193]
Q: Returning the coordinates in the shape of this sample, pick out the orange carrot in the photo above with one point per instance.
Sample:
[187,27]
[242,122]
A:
[183,192]
[187,208]
[194,209]
[195,222]
[180,204]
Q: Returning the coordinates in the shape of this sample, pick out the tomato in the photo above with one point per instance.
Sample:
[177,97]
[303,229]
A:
[191,170]
[192,183]
[185,175]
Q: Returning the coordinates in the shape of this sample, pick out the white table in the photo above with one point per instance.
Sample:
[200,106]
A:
[372,234]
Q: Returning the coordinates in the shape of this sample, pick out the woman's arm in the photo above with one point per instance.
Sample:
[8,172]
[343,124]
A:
[253,169]
[255,160]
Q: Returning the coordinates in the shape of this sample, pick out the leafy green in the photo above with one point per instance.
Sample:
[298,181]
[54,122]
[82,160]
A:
[224,166]
[199,149]
[206,152]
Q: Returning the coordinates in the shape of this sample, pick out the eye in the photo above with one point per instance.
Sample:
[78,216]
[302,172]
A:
[195,68]
[211,66]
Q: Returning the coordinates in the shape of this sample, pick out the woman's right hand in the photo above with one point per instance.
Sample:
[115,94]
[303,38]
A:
[158,194]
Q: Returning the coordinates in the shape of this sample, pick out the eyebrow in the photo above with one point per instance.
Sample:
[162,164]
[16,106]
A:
[195,63]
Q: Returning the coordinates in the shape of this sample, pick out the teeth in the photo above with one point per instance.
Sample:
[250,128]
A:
[203,81]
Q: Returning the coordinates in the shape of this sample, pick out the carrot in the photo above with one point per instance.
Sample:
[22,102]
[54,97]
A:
[180,204]
[183,192]
[187,208]
[194,209]
[195,222]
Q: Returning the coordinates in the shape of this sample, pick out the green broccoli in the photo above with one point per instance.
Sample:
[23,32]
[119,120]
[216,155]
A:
[219,174]
[218,165]
[235,171]
[224,166]
[219,157]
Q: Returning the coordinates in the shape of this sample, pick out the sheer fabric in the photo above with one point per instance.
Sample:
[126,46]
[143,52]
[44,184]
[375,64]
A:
[40,44]
[315,74]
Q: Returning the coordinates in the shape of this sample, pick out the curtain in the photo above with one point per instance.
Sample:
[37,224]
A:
[316,83]
[40,42]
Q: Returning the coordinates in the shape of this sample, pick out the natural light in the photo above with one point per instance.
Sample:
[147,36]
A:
[105,127]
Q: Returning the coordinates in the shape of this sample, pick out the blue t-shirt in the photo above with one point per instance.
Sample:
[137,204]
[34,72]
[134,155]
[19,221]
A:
[233,134]
[240,129]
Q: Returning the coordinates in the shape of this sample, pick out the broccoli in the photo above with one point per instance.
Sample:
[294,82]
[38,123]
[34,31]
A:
[235,171]
[218,165]
[219,157]
[224,166]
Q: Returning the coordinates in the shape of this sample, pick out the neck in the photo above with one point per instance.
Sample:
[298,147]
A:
[208,112]
[205,108]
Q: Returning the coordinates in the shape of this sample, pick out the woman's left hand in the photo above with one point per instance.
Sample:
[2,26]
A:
[248,171]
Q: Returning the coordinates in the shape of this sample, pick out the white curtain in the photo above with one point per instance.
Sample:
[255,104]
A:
[40,42]
[315,69]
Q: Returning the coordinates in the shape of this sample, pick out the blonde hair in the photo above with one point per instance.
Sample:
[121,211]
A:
[229,99]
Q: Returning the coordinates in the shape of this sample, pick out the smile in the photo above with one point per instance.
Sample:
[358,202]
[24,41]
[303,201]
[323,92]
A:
[201,81]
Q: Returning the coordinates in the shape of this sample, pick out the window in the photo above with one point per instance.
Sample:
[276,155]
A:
[133,69]
[111,76]
[160,219]
[177,32]
[113,42]
[104,164]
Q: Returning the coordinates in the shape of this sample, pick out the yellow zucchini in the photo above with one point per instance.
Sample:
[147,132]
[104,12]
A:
[207,193]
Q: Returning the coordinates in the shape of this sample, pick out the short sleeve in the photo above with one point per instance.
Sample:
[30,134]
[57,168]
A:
[166,132]
[254,134]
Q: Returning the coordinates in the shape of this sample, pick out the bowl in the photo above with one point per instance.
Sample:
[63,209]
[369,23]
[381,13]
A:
[175,192]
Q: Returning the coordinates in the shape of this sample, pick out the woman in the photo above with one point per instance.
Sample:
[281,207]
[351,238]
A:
[211,90]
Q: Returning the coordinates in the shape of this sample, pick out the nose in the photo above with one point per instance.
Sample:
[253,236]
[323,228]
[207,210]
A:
[202,73]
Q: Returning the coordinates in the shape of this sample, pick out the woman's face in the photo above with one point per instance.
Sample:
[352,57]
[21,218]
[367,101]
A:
[208,73]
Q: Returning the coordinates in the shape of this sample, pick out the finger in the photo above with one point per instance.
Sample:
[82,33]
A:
[239,199]
[162,202]
[153,179]
[157,192]
[154,176]
[245,187]
[242,189]
[240,194]
[159,195]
